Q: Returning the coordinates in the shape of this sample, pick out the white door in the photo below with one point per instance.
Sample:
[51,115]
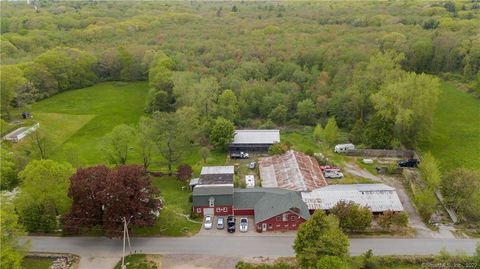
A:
[264,227]
[208,211]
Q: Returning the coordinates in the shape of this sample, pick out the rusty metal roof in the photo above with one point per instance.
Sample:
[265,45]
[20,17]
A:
[292,170]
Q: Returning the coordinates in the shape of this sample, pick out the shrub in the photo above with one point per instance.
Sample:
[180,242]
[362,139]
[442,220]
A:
[351,216]
[278,148]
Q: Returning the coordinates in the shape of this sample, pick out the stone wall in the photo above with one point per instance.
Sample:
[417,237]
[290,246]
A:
[386,153]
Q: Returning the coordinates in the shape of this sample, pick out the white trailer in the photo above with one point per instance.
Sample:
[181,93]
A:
[340,148]
[250,181]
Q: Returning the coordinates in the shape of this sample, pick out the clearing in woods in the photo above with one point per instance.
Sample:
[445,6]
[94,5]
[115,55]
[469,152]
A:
[455,137]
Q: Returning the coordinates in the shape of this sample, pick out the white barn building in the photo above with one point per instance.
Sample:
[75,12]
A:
[378,197]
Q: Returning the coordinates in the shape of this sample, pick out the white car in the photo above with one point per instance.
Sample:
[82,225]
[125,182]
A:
[208,223]
[243,226]
[333,174]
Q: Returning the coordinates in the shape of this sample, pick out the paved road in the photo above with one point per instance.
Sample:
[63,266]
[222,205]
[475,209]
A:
[101,252]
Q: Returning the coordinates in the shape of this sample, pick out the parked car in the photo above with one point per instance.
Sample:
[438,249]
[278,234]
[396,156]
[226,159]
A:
[332,174]
[344,148]
[408,163]
[243,226]
[220,223]
[367,161]
[231,224]
[329,167]
[252,165]
[208,223]
[239,155]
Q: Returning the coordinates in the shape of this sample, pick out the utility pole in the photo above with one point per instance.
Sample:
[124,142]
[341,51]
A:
[123,252]
[127,236]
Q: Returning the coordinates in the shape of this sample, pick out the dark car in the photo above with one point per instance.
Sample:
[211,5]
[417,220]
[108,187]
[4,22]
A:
[408,163]
[231,224]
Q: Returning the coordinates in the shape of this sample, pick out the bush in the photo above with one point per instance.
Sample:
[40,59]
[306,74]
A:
[278,148]
[351,216]
[391,219]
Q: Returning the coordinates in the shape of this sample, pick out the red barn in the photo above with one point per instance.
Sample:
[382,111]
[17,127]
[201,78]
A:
[273,209]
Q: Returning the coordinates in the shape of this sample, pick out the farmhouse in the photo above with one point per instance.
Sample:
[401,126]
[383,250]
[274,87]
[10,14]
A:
[292,170]
[378,197]
[254,140]
[21,133]
[213,191]
[215,199]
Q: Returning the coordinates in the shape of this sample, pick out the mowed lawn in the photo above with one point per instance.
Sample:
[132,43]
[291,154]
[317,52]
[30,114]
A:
[82,117]
[455,138]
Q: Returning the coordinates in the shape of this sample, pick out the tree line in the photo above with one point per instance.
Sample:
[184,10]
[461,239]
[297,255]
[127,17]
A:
[259,75]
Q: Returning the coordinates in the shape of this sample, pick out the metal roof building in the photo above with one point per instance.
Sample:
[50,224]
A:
[269,202]
[292,170]
[208,170]
[254,140]
[216,175]
[377,197]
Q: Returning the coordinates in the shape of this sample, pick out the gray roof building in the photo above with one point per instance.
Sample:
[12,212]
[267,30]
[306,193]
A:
[256,137]
[216,175]
[270,202]
[254,140]
[377,197]
[222,193]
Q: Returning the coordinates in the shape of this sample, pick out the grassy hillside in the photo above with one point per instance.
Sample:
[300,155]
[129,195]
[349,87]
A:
[455,138]
[80,118]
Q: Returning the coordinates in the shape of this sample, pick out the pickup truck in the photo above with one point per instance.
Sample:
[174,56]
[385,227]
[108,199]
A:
[408,163]
[239,155]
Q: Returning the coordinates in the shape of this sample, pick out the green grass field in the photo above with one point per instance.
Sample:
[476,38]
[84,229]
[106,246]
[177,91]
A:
[176,200]
[82,117]
[455,138]
[36,263]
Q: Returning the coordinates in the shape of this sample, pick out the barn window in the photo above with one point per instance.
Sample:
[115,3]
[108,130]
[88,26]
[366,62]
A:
[199,210]
[218,209]
[279,218]
[285,217]
[292,218]
[225,209]
[211,202]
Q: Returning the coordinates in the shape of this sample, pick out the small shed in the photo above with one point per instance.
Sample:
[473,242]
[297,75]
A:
[250,181]
[193,182]
[20,133]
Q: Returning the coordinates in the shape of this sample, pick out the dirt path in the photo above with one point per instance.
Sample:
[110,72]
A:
[414,220]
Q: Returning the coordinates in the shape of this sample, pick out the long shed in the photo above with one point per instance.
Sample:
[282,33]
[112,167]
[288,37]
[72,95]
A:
[254,140]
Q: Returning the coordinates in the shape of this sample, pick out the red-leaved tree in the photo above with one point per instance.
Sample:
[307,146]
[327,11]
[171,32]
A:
[184,172]
[104,197]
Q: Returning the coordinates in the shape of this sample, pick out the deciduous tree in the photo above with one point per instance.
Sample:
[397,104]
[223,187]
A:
[105,197]
[174,133]
[331,130]
[43,195]
[117,144]
[408,103]
[460,188]
[318,237]
[12,251]
[228,106]
[222,133]
[351,216]
[184,172]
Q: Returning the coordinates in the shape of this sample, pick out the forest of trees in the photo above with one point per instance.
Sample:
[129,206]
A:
[254,64]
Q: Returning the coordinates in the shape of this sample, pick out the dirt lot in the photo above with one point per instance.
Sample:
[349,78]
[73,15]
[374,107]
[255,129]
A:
[198,262]
[241,169]
[414,220]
